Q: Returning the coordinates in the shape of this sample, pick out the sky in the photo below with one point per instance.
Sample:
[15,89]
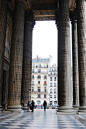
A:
[44,41]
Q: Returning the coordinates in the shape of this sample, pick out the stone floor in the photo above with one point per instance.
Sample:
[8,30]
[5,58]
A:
[41,120]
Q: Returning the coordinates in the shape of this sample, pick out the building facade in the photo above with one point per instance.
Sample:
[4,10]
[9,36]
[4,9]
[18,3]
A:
[53,84]
[39,87]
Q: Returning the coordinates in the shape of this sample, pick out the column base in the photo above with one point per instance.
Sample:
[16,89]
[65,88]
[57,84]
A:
[25,107]
[16,108]
[76,108]
[65,110]
[82,110]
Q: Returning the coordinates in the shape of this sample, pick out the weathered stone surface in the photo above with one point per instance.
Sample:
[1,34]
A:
[27,57]
[81,27]
[3,19]
[64,58]
[75,64]
[14,91]
[75,60]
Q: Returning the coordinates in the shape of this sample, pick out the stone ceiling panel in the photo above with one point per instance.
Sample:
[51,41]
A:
[43,8]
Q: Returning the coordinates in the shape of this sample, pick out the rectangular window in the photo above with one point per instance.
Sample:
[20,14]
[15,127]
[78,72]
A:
[32,89]
[54,84]
[33,65]
[51,73]
[50,102]
[50,84]
[45,89]
[50,78]
[45,77]
[50,96]
[32,82]
[54,96]
[54,78]
[38,89]
[55,102]
[54,73]
[39,70]
[39,65]
[32,76]
[54,91]
[45,83]
[39,77]
[54,69]
[50,91]
[39,96]
[44,95]
[45,66]
[32,70]
[50,69]
[38,82]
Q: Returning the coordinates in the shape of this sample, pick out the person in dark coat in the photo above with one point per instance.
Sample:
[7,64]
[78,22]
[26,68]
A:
[32,105]
[28,104]
[44,104]
[22,104]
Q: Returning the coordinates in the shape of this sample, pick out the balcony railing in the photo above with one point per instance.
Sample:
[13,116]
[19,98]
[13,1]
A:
[45,84]
[39,92]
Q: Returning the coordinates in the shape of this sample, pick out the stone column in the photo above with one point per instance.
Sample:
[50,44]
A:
[3,20]
[81,27]
[75,60]
[64,60]
[0,5]
[27,58]
[14,89]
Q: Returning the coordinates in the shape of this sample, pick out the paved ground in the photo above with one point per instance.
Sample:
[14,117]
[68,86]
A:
[41,120]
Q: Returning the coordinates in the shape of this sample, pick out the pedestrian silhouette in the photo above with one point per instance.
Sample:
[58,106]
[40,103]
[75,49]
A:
[44,104]
[32,105]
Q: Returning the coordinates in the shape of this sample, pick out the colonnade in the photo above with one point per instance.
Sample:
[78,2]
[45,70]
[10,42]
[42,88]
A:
[21,55]
[78,18]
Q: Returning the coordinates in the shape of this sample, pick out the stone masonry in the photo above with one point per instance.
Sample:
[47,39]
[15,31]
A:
[14,90]
[75,60]
[27,58]
[81,27]
[64,58]
[3,19]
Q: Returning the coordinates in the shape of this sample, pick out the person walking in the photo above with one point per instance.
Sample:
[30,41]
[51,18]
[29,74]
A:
[32,105]
[44,104]
[28,104]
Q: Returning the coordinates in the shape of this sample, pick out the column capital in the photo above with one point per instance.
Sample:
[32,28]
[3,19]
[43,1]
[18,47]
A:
[29,17]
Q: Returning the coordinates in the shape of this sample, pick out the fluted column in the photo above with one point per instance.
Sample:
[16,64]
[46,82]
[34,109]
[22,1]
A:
[14,90]
[81,27]
[3,19]
[75,60]
[64,60]
[27,57]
